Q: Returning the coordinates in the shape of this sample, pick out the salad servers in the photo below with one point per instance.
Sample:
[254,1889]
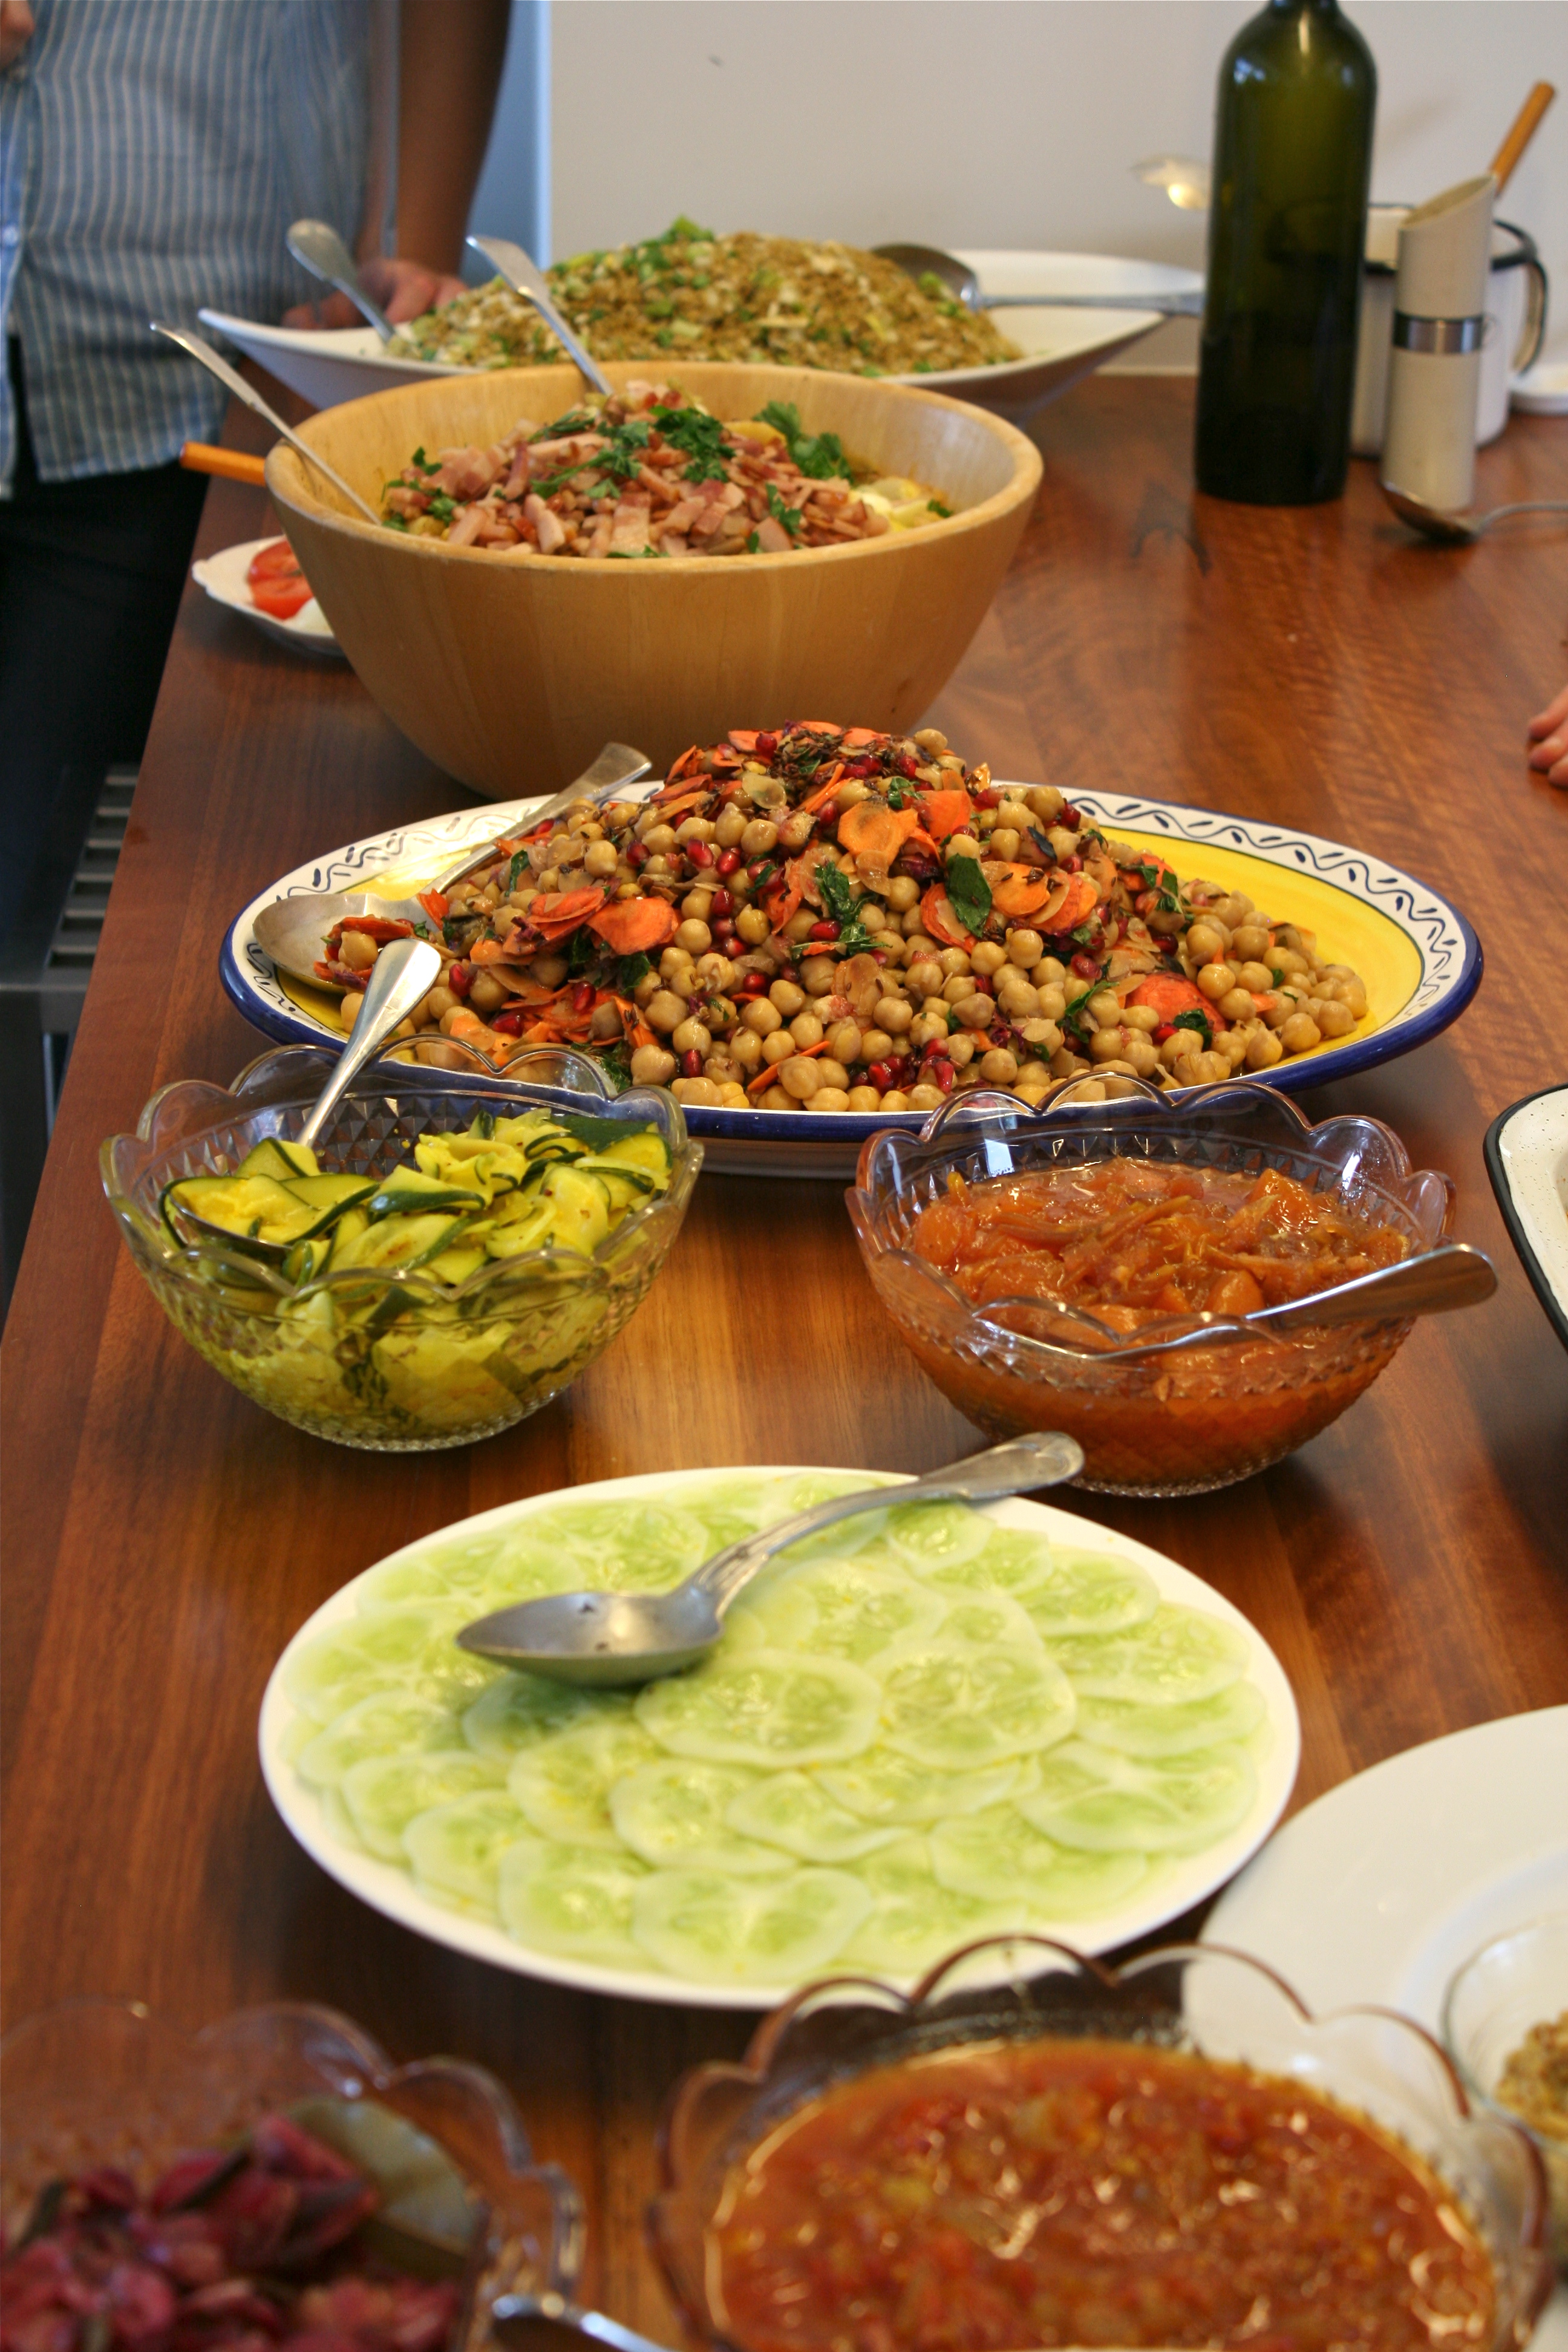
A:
[919,261]
[1457,530]
[316,247]
[403,974]
[524,277]
[607,1638]
[198,346]
[534,2323]
[292,932]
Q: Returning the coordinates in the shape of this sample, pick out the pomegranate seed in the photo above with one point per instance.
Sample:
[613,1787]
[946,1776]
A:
[583,996]
[938,1050]
[942,1074]
[1073,864]
[459,979]
[691,1064]
[729,863]
[700,852]
[758,869]
[881,1076]
[907,766]
[1166,1029]
[1086,967]
[723,928]
[508,1025]
[720,905]
[767,744]
[753,985]
[638,854]
[990,798]
[823,932]
[983,984]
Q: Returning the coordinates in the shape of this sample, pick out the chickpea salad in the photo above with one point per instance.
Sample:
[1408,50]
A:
[819,918]
[745,297]
[649,472]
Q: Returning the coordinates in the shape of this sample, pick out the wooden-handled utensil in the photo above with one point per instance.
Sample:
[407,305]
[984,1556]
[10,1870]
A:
[1526,123]
[232,465]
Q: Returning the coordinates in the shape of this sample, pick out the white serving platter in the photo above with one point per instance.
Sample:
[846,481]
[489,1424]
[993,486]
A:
[223,577]
[1421,961]
[1381,1890]
[1527,1160]
[1059,346]
[392,1892]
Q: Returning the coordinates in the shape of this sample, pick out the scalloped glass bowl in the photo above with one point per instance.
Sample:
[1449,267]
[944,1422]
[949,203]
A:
[106,2082]
[1186,1996]
[436,1364]
[1516,1981]
[1171,1424]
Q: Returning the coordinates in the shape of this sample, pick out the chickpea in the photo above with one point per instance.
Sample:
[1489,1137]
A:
[1045,803]
[895,1099]
[1019,999]
[747,1048]
[844,1041]
[1053,999]
[902,893]
[665,1011]
[831,1073]
[789,999]
[728,827]
[1236,1004]
[549,970]
[693,828]
[894,1014]
[926,1030]
[353,998]
[977,1012]
[606,1022]
[1066,1063]
[485,994]
[715,973]
[1024,949]
[1256,977]
[863,1098]
[1208,1069]
[647,987]
[1016,813]
[696,905]
[986,958]
[733,1096]
[1104,1008]
[849,794]
[600,857]
[762,1016]
[828,1098]
[876,1046]
[1004,841]
[1216,981]
[925,1097]
[658,839]
[1352,992]
[873,918]
[1185,1046]
[806,1030]
[692,1037]
[799,1077]
[356,950]
[1139,1017]
[652,1067]
[752,926]
[1276,1012]
[1300,1034]
[999,1068]
[440,1000]
[1049,972]
[817,975]
[722,1067]
[960,1051]
[1205,943]
[778,1047]
[799,926]
[1140,1054]
[797,829]
[1263,1050]
[758,837]
[1287,960]
[1107,1044]
[656,869]
[957,990]
[923,976]
[961,845]
[698,1091]
[1333,1020]
[1042,1037]
[775,1099]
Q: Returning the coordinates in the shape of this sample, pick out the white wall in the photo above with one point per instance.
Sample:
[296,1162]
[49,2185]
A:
[1000,123]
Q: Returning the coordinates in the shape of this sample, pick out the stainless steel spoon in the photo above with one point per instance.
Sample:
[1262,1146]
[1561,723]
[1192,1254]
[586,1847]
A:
[403,974]
[919,261]
[533,2322]
[1454,1275]
[293,931]
[316,247]
[1459,530]
[215,364]
[604,1638]
[525,278]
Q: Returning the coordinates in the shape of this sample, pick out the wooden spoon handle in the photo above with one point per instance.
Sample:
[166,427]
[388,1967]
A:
[234,464]
[1525,124]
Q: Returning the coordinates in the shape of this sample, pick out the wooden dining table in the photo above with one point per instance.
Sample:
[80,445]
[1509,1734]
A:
[164,1537]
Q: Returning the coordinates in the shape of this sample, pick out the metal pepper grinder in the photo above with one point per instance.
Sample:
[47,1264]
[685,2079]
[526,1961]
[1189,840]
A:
[1434,366]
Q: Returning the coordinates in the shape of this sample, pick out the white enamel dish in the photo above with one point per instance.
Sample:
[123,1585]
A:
[392,1892]
[1059,346]
[1418,956]
[1381,1890]
[1527,1160]
[223,577]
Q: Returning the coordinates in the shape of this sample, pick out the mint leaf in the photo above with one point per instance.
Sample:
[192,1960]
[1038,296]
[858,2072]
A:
[1194,1019]
[837,897]
[968,893]
[629,970]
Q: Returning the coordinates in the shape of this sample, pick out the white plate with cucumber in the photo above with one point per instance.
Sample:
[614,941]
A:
[926,1725]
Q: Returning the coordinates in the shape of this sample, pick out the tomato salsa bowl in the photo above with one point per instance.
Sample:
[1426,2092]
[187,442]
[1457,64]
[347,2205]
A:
[1176,2153]
[1001,1330]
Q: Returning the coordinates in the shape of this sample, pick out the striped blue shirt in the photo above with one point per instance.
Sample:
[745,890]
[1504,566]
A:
[153,154]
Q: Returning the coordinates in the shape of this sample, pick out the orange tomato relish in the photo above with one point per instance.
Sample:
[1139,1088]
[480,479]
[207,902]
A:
[1080,2192]
[1135,1240]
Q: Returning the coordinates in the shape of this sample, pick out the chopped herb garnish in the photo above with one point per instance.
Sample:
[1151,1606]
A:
[819,455]
[583,953]
[752,542]
[1086,934]
[968,893]
[630,972]
[788,515]
[702,436]
[935,505]
[514,872]
[1194,1019]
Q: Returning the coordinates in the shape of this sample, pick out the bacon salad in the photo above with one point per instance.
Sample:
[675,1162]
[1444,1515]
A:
[649,472]
[816,918]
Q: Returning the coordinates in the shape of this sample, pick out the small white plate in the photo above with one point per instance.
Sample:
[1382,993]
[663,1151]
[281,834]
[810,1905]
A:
[1527,1160]
[387,1889]
[1542,390]
[1382,1888]
[1059,346]
[223,577]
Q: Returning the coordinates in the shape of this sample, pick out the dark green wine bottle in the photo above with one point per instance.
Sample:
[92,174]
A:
[1288,218]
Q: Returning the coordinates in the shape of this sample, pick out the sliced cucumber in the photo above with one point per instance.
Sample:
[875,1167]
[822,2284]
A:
[998,1856]
[988,1621]
[456,1849]
[407,1649]
[1155,1732]
[792,1810]
[1101,1803]
[1174,1656]
[887,1789]
[1091,1592]
[284,1162]
[1010,1562]
[675,1814]
[937,1535]
[958,1705]
[564,1899]
[518,1711]
[845,1608]
[766,1708]
[383,1793]
[915,1919]
[388,1722]
[563,1782]
[699,1924]
[630,1547]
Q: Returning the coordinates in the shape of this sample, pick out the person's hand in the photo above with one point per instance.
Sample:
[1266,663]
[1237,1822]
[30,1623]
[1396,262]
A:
[405,289]
[15,31]
[1549,740]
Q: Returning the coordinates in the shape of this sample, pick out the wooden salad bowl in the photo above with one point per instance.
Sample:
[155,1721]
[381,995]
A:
[512,671]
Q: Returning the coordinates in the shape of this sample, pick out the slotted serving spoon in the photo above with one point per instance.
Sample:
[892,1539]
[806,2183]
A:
[607,1638]
[293,931]
[919,261]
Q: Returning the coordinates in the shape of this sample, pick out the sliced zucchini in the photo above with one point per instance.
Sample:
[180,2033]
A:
[308,1258]
[251,1208]
[273,1157]
[331,1192]
[457,1265]
[531,1229]
[403,1243]
[581,1209]
[626,1186]
[643,1148]
[409,1188]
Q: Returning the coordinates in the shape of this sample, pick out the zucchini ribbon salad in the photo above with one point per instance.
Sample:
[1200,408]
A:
[819,918]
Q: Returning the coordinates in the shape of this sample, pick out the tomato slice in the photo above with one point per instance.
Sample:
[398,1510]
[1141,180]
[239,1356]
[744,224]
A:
[276,581]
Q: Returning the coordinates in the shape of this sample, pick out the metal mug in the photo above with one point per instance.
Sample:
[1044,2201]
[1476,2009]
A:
[1516,325]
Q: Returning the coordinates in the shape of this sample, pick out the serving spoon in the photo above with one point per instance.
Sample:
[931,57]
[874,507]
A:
[523,275]
[919,261]
[292,932]
[1458,530]
[609,1638]
[402,975]
[316,247]
[215,364]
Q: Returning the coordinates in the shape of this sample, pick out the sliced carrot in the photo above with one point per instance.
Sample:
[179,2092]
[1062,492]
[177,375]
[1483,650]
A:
[873,833]
[1167,994]
[744,738]
[821,727]
[919,838]
[782,899]
[856,738]
[553,910]
[942,923]
[1079,901]
[383,928]
[826,791]
[469,1029]
[634,926]
[673,804]
[683,767]
[765,1078]
[436,904]
[1019,890]
[946,813]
